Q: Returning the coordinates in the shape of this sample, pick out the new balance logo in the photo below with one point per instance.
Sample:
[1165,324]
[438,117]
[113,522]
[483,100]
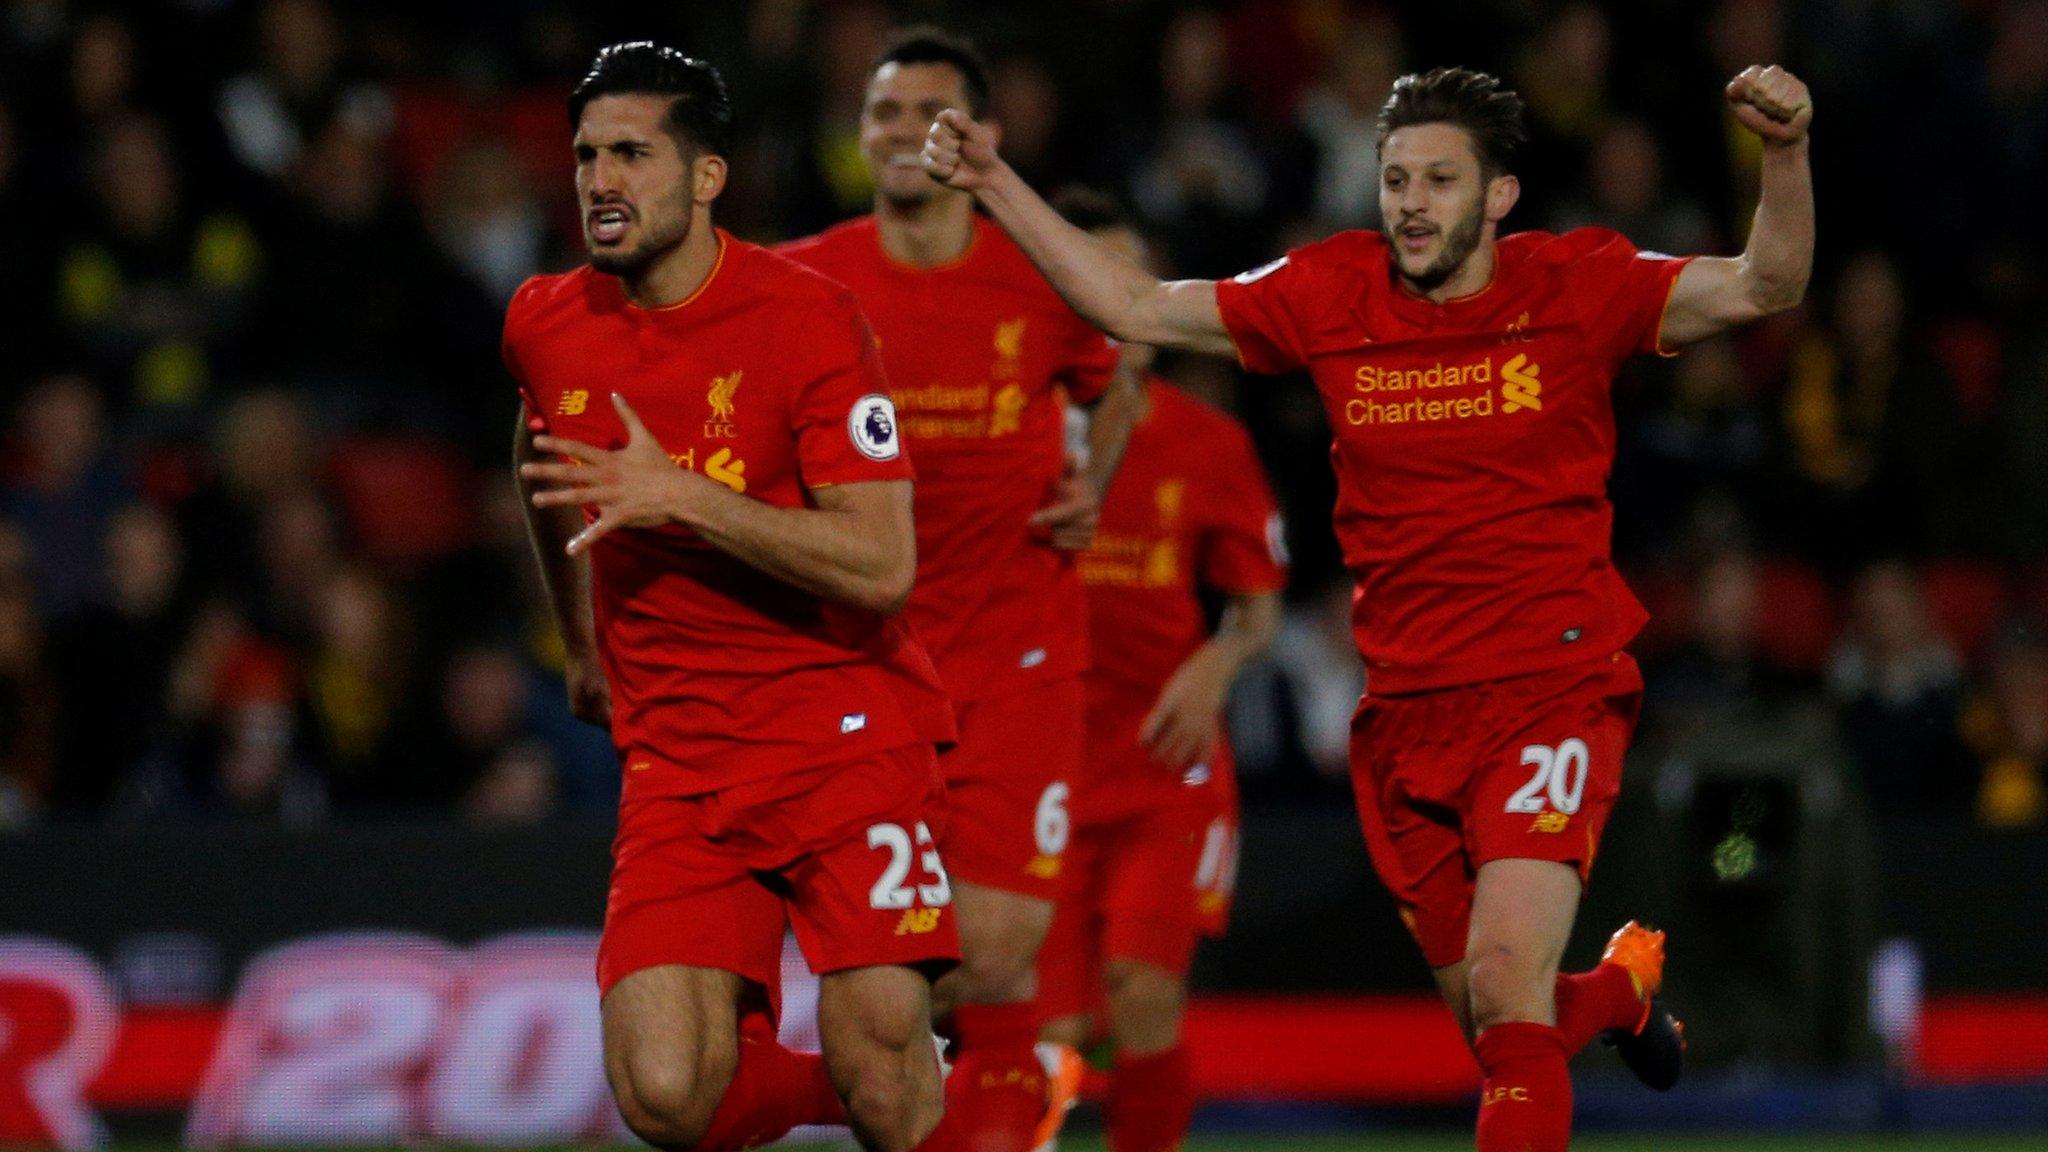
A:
[573,403]
[918,921]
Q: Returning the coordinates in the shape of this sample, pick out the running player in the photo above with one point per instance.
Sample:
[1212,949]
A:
[1467,377]
[728,597]
[1189,510]
[980,351]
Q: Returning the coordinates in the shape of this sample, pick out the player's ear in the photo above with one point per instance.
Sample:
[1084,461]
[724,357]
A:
[707,177]
[1501,194]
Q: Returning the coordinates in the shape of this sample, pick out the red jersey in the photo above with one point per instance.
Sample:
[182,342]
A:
[1189,509]
[764,380]
[1473,440]
[974,349]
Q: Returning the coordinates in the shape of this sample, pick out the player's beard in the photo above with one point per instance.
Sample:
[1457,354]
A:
[661,234]
[1459,244]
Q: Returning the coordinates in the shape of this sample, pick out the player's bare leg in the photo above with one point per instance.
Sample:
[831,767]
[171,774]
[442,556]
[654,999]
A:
[997,1084]
[1145,1006]
[1522,913]
[877,1031]
[1000,934]
[671,1047]
[689,1071]
[1152,1092]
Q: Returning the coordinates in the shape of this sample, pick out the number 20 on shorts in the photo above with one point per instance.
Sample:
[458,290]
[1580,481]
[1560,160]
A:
[1560,777]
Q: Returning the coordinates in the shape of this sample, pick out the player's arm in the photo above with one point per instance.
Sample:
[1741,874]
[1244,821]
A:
[1076,509]
[1714,294]
[858,546]
[1184,720]
[566,578]
[1108,290]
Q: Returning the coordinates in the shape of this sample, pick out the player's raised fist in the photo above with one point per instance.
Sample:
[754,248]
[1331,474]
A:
[961,152]
[1772,103]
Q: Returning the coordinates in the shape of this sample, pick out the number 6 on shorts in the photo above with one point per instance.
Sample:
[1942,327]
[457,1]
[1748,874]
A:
[1560,772]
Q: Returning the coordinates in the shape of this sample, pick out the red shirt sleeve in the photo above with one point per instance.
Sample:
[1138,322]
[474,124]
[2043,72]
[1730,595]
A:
[507,344]
[844,417]
[1621,291]
[1245,551]
[1088,363]
[1266,313]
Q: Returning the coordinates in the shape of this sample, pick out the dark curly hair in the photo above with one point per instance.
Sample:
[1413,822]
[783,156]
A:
[1474,101]
[700,113]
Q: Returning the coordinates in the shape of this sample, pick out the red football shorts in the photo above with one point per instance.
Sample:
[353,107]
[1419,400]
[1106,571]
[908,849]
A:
[1525,768]
[1008,782]
[1216,873]
[846,853]
[1148,872]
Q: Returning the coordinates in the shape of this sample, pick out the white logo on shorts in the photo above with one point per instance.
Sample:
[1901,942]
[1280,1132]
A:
[872,427]
[852,722]
[1032,659]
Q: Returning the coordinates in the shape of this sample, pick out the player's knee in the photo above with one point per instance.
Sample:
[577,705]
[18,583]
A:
[1145,1005]
[1507,983]
[999,964]
[669,1103]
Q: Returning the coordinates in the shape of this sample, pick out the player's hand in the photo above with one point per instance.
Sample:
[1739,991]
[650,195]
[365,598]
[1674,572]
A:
[1181,728]
[1070,520]
[960,152]
[636,486]
[590,694]
[1772,103]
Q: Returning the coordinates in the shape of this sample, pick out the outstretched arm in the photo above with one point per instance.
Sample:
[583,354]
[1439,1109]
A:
[858,546]
[1111,292]
[1714,294]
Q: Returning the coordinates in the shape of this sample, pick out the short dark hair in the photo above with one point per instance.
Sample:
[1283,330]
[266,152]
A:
[1474,101]
[930,44]
[699,116]
[1090,210]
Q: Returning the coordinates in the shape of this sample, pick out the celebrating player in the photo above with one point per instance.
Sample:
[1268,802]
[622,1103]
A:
[728,597]
[1189,510]
[977,346]
[1467,377]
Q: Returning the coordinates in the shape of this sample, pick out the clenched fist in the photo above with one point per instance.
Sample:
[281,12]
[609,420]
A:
[960,152]
[1772,103]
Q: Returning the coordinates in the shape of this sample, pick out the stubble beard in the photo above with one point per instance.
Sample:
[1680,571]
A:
[1459,244]
[654,244]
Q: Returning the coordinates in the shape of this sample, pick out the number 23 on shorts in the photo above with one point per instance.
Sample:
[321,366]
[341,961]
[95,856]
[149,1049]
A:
[922,903]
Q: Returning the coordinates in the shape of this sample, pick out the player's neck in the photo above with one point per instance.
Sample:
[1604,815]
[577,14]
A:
[678,273]
[1470,279]
[932,232]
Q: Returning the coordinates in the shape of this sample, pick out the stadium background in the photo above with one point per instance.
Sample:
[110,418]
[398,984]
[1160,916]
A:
[272,665]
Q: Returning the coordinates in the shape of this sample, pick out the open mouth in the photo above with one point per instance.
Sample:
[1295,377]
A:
[608,224]
[1415,237]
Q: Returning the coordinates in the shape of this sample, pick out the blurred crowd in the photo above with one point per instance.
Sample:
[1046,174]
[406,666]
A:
[259,551]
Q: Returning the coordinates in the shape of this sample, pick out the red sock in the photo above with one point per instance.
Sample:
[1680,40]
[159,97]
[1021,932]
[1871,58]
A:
[772,1091]
[998,1086]
[1589,1003]
[1525,1102]
[1151,1101]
